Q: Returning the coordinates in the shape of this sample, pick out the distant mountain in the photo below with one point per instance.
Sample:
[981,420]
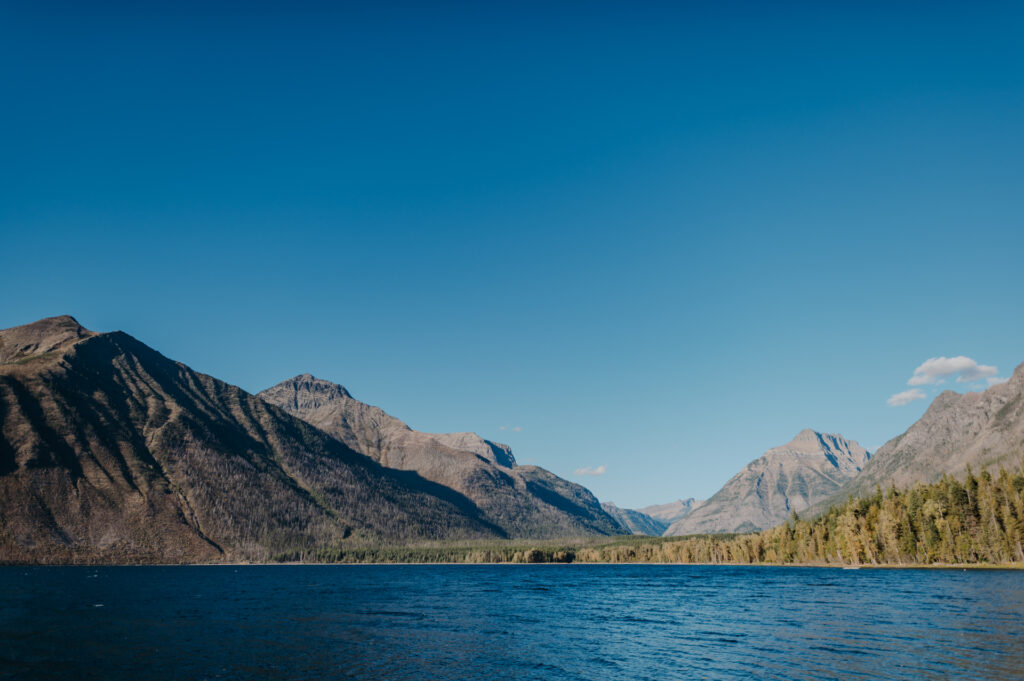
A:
[635,522]
[784,479]
[110,452]
[525,501]
[984,430]
[672,511]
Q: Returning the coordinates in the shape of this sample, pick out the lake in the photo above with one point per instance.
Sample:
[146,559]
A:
[509,622]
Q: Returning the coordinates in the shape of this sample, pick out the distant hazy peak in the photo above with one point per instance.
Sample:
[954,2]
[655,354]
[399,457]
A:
[635,522]
[674,510]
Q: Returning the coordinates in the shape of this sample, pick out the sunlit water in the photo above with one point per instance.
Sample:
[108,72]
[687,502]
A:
[509,622]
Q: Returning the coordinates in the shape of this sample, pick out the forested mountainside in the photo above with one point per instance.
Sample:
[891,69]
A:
[981,430]
[975,521]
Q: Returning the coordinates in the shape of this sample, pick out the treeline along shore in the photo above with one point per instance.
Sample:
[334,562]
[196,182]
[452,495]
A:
[975,521]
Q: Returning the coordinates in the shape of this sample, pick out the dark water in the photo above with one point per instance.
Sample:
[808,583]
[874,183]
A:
[509,622]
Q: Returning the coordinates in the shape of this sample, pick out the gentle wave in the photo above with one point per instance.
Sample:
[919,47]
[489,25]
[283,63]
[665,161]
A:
[509,622]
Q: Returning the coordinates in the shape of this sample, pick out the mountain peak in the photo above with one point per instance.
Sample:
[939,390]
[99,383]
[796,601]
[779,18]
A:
[310,383]
[22,343]
[63,319]
[790,477]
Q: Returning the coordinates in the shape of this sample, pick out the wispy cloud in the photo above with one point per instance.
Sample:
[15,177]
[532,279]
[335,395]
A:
[996,380]
[514,429]
[938,369]
[905,397]
[590,470]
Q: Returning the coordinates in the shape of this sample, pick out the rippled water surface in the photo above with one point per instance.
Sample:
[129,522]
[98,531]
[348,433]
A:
[509,622]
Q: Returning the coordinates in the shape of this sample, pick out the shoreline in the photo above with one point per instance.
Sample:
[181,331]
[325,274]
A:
[930,566]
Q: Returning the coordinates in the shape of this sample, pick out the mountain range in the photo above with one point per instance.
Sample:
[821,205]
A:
[111,452]
[976,430]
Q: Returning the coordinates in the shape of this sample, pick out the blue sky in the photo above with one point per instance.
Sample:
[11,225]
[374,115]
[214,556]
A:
[658,240]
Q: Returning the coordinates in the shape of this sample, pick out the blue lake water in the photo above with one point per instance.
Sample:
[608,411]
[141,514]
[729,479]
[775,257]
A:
[509,622]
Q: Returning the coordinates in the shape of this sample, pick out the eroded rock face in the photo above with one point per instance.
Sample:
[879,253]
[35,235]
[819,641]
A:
[525,501]
[784,479]
[983,430]
[111,452]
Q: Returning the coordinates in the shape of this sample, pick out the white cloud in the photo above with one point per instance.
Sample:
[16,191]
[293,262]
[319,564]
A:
[502,427]
[589,470]
[938,369]
[515,429]
[905,397]
[518,429]
[996,380]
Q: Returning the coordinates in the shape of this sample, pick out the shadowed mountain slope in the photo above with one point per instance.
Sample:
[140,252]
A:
[111,452]
[784,479]
[635,522]
[984,430]
[525,501]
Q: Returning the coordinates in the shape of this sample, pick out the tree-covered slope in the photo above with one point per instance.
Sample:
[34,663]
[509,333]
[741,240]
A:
[983,430]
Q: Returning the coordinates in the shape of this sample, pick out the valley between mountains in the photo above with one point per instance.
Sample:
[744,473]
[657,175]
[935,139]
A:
[112,453]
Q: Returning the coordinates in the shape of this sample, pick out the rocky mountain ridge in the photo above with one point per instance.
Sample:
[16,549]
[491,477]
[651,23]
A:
[525,501]
[110,452]
[784,479]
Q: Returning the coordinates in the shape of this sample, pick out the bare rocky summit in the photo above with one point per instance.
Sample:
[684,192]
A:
[983,430]
[784,479]
[40,340]
[635,522]
[525,501]
[110,452]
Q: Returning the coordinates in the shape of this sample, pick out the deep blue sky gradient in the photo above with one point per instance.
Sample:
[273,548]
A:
[659,239]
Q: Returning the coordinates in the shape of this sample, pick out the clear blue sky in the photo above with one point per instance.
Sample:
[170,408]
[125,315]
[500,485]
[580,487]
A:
[659,239]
